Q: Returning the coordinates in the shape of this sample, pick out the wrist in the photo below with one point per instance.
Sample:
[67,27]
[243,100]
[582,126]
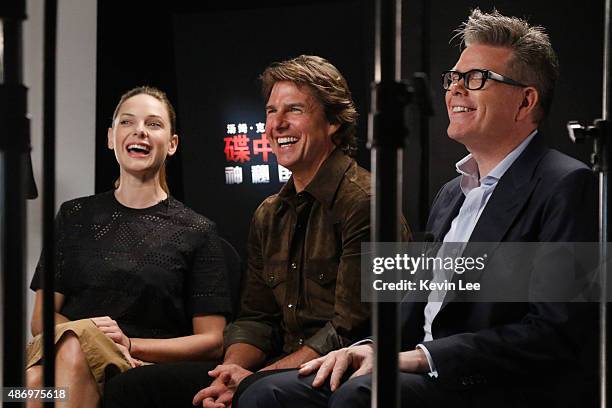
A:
[423,364]
[133,346]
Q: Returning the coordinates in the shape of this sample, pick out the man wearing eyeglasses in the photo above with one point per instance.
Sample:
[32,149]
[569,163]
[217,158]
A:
[510,188]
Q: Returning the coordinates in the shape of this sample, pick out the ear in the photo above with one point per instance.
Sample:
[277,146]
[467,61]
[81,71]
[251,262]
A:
[173,144]
[528,106]
[332,128]
[110,142]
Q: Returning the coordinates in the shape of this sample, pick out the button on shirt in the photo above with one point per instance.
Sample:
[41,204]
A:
[477,193]
[303,280]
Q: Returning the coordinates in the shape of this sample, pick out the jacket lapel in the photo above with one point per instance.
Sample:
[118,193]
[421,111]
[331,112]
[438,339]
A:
[504,207]
[510,196]
[446,209]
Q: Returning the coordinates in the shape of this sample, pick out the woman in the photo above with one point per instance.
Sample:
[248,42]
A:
[140,278]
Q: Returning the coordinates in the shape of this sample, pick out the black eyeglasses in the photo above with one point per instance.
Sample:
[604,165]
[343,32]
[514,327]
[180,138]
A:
[475,79]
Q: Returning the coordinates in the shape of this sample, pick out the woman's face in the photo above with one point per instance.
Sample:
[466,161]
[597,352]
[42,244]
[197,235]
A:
[141,135]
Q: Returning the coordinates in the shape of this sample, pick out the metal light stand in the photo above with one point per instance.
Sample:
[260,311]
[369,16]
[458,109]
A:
[387,132]
[14,151]
[601,159]
[49,94]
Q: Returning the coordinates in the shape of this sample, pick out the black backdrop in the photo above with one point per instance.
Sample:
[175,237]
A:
[207,58]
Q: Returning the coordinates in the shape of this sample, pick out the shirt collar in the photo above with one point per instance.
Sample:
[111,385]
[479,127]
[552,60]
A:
[470,176]
[325,183]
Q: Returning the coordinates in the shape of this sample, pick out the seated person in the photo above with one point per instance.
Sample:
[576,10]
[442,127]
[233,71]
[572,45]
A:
[511,188]
[140,278]
[301,298]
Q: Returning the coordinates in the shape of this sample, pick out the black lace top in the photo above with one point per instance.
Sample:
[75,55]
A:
[150,269]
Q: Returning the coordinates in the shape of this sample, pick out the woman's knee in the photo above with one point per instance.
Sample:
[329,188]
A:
[69,355]
[34,376]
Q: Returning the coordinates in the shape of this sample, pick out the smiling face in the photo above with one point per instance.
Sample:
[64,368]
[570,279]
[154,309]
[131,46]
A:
[141,136]
[480,119]
[299,133]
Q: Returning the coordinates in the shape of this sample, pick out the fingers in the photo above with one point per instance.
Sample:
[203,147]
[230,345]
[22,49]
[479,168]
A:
[311,366]
[127,355]
[111,329]
[224,377]
[210,403]
[214,390]
[200,397]
[103,321]
[363,370]
[216,371]
[225,398]
[113,334]
[132,362]
[325,369]
[207,403]
[342,363]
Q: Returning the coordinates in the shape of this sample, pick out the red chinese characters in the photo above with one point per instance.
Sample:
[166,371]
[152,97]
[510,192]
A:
[262,146]
[237,148]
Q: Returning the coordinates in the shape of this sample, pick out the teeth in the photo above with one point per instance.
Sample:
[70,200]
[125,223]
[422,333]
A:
[285,140]
[462,109]
[139,147]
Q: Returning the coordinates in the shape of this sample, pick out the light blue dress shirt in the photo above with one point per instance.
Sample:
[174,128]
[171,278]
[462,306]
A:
[477,193]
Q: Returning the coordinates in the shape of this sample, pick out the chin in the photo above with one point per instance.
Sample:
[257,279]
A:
[454,135]
[286,162]
[288,165]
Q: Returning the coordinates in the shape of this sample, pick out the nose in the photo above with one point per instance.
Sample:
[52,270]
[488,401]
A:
[457,87]
[277,122]
[140,129]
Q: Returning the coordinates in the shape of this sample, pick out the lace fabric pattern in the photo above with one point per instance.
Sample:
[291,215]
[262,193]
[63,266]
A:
[150,269]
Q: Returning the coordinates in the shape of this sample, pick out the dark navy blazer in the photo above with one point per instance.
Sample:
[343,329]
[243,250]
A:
[545,196]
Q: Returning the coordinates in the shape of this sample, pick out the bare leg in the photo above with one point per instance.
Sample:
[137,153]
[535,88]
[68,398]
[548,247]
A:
[34,379]
[72,371]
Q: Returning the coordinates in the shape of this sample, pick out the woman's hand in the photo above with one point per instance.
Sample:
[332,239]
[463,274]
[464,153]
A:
[134,362]
[110,327]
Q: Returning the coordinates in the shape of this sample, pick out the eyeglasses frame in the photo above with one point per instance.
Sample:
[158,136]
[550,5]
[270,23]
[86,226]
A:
[487,74]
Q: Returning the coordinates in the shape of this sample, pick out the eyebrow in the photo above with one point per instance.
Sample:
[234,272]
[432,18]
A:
[148,116]
[288,105]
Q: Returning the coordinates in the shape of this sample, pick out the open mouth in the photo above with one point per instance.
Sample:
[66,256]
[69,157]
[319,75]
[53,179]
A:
[460,109]
[286,141]
[139,149]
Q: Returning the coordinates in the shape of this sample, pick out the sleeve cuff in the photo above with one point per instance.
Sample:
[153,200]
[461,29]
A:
[212,305]
[433,373]
[325,340]
[250,332]
[364,341]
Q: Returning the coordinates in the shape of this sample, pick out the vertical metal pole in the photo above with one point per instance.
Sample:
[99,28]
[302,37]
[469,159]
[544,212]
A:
[424,124]
[387,170]
[49,194]
[14,147]
[604,205]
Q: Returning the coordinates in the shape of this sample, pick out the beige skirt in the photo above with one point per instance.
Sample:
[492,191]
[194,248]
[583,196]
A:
[103,356]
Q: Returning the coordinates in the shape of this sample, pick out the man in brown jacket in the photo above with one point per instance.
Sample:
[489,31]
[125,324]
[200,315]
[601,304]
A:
[301,297]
